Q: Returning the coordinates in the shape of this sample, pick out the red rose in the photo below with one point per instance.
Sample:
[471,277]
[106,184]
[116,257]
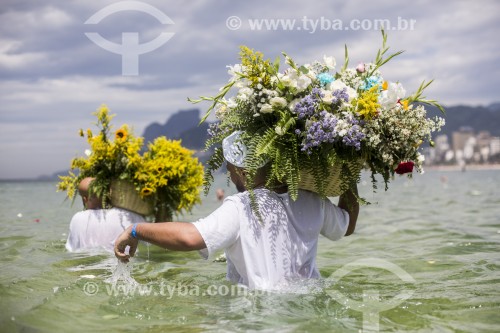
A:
[404,167]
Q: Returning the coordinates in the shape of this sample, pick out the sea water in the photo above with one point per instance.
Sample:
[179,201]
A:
[424,257]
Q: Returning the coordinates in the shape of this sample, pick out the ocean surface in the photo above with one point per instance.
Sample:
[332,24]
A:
[425,257]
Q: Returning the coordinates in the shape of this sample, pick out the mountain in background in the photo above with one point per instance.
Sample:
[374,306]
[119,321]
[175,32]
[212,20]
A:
[479,118]
[182,125]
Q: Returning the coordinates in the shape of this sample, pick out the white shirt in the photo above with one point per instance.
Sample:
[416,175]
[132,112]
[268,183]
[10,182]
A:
[98,228]
[261,255]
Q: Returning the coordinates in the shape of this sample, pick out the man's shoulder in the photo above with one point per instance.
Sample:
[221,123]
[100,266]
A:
[309,198]
[123,212]
[82,214]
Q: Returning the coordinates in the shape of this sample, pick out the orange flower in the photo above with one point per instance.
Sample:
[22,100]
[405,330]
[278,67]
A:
[405,104]
[385,85]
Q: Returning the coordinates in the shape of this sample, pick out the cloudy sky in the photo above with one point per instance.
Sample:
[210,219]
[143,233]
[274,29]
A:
[52,76]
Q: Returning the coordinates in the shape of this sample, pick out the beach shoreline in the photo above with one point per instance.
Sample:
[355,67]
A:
[468,167]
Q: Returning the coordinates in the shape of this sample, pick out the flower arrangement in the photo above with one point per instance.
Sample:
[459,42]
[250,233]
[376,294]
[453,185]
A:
[166,176]
[315,121]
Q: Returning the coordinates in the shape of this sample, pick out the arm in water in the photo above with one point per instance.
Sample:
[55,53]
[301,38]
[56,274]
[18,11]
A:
[179,236]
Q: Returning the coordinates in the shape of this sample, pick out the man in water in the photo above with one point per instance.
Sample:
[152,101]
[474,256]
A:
[260,253]
[96,227]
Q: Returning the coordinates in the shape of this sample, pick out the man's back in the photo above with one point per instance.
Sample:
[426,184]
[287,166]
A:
[283,245]
[98,228]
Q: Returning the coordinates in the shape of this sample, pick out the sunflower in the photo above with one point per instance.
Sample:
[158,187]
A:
[121,134]
[146,191]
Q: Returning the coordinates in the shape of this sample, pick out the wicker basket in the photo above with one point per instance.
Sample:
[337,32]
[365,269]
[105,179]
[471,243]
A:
[123,195]
[336,183]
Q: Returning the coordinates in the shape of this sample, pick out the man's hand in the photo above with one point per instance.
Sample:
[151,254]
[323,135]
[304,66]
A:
[348,201]
[121,243]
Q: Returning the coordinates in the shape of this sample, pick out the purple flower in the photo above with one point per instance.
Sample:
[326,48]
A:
[215,130]
[340,95]
[320,131]
[308,105]
[354,134]
[324,130]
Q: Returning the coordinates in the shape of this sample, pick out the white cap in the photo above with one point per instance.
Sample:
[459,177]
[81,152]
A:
[234,149]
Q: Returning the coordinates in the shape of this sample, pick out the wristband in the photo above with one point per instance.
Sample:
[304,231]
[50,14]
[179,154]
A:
[133,233]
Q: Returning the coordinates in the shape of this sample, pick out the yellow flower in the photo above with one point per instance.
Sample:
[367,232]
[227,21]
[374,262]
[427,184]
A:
[146,191]
[367,103]
[80,132]
[257,67]
[385,85]
[103,108]
[121,135]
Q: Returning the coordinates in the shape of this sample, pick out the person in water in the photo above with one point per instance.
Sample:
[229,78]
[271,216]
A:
[95,227]
[260,253]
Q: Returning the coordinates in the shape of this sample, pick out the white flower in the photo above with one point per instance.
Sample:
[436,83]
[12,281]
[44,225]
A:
[397,89]
[279,130]
[220,110]
[286,80]
[293,103]
[388,98]
[88,152]
[310,71]
[231,103]
[352,93]
[303,82]
[266,108]
[329,62]
[290,79]
[327,97]
[296,80]
[241,83]
[244,93]
[278,102]
[233,70]
[339,85]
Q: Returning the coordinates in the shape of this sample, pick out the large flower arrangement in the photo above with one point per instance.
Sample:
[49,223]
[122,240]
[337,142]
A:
[166,176]
[314,120]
